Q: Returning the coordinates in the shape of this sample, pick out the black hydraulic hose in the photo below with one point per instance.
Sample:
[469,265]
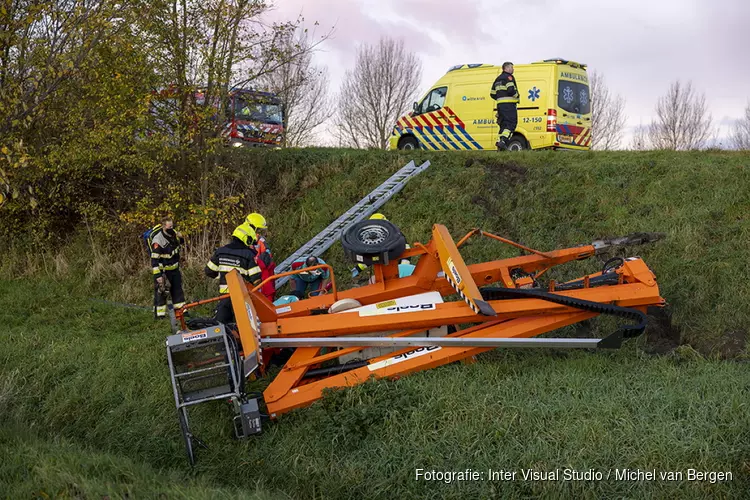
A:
[604,279]
[335,370]
[198,323]
[605,267]
[614,340]
[234,346]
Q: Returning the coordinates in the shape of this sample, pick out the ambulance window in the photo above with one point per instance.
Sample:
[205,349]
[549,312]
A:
[434,100]
[574,97]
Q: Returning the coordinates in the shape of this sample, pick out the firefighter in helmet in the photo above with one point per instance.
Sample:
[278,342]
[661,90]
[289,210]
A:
[505,92]
[241,254]
[164,242]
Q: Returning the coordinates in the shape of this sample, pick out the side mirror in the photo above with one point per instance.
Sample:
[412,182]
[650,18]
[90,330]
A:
[414,106]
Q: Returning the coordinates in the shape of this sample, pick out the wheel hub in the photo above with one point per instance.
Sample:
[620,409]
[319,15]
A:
[373,235]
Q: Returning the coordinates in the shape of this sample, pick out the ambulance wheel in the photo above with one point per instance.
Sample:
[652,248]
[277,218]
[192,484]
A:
[373,241]
[408,142]
[517,143]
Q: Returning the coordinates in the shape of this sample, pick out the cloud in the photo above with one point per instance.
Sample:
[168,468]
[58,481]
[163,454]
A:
[450,22]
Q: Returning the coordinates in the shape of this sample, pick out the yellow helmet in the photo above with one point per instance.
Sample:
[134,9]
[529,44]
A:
[256,221]
[245,233]
[378,217]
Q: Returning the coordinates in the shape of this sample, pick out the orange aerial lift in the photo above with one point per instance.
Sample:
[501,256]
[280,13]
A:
[333,337]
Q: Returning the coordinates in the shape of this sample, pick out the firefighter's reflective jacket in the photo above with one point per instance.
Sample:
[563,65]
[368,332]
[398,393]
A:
[504,89]
[235,255]
[165,251]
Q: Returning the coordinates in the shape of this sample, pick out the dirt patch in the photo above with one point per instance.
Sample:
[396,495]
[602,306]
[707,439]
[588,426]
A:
[505,173]
[502,177]
[484,203]
[661,335]
[727,346]
[500,172]
[732,344]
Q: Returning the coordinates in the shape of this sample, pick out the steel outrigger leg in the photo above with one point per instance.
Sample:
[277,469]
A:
[283,394]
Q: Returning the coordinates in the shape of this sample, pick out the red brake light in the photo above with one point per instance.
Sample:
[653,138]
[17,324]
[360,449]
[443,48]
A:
[551,120]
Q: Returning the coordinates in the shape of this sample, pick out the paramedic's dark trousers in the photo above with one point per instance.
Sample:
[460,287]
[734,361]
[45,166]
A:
[175,290]
[507,119]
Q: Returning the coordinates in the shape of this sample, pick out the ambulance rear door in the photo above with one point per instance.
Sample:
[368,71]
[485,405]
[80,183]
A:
[573,107]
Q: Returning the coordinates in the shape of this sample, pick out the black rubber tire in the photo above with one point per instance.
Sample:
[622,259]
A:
[373,242]
[517,143]
[408,142]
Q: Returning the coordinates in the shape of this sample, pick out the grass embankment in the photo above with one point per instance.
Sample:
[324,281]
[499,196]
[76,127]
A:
[87,407]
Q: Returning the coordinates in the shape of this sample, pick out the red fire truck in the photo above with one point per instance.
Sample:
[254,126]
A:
[251,118]
[255,119]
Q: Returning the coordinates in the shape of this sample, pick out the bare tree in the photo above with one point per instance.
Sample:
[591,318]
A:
[382,85]
[213,45]
[682,119]
[741,131]
[640,141]
[303,89]
[607,114]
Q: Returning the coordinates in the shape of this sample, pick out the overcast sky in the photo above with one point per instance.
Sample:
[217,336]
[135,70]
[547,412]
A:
[640,46]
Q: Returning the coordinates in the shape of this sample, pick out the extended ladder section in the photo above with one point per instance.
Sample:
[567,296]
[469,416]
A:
[362,210]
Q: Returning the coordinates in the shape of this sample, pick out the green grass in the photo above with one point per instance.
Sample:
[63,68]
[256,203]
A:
[87,407]
[44,467]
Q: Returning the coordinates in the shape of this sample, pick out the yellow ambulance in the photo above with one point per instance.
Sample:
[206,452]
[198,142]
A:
[457,113]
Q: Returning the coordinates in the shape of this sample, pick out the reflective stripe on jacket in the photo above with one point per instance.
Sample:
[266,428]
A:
[504,89]
[234,255]
[165,252]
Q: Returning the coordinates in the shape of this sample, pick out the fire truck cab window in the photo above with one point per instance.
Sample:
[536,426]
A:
[257,111]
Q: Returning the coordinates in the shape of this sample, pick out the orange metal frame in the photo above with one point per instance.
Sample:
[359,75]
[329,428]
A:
[440,268]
